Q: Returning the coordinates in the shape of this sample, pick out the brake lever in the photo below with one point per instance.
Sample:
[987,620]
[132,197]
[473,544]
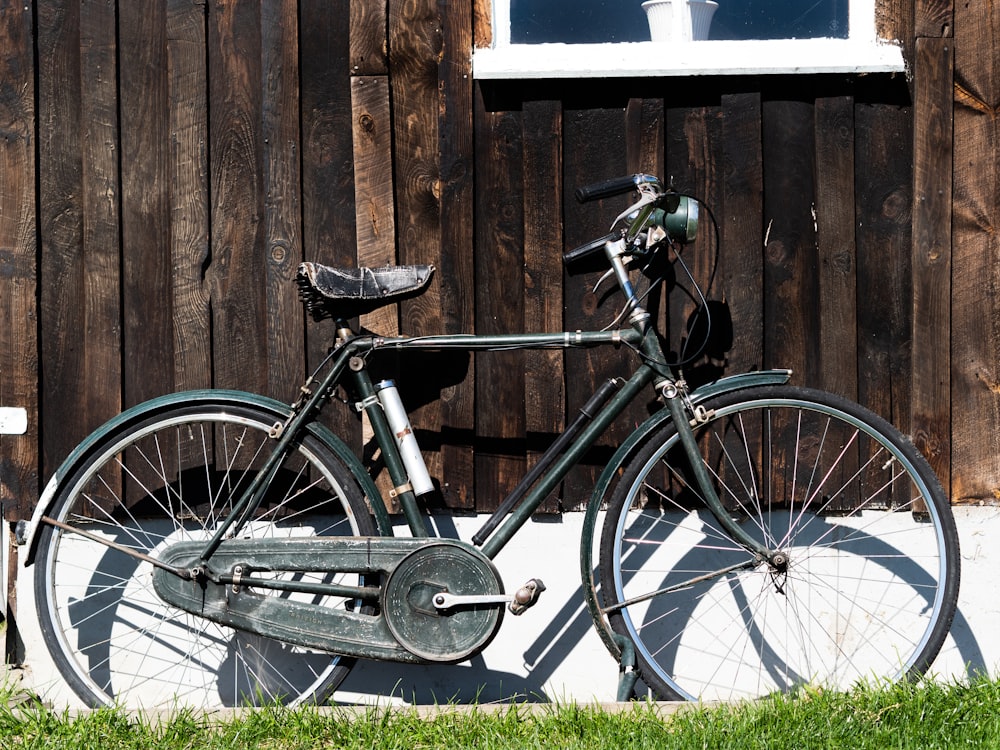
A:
[607,275]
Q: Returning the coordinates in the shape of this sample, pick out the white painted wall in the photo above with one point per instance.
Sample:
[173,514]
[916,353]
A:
[552,652]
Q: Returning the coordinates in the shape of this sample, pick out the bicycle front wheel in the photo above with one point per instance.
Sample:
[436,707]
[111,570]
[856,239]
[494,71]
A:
[869,581]
[173,476]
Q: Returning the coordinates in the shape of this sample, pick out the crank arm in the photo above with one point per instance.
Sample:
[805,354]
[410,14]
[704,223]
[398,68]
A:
[444,600]
[523,598]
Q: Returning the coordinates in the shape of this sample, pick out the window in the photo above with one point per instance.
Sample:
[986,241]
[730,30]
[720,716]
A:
[609,38]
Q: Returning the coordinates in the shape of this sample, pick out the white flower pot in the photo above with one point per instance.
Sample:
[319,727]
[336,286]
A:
[679,20]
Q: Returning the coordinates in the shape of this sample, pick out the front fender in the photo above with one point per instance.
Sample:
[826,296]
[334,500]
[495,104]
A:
[621,456]
[140,412]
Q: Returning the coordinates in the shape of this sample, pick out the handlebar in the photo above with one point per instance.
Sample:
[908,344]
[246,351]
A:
[675,214]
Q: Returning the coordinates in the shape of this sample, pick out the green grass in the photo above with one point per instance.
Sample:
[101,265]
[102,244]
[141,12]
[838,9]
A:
[925,715]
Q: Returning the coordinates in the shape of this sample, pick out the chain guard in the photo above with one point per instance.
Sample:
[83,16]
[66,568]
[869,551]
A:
[407,629]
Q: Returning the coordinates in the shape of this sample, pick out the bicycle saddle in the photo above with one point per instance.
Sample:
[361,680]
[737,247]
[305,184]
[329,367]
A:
[331,292]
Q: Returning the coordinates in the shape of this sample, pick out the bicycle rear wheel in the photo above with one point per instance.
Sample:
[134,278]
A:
[173,476]
[870,587]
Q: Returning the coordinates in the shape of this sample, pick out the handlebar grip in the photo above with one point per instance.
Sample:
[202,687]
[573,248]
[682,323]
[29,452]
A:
[583,251]
[597,190]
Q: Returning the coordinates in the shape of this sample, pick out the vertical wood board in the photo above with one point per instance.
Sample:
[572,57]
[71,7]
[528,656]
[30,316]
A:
[282,219]
[791,320]
[836,248]
[456,277]
[883,190]
[544,375]
[975,272]
[147,274]
[499,293]
[932,207]
[189,231]
[328,186]
[373,187]
[19,484]
[238,230]
[741,235]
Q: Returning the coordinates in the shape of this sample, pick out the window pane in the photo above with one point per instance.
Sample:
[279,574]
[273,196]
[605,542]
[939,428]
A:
[780,19]
[577,21]
[594,21]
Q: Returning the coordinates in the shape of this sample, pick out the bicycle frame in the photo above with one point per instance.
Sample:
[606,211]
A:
[348,366]
[283,533]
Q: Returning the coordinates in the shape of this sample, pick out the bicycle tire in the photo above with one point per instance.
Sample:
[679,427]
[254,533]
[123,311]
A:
[871,583]
[172,476]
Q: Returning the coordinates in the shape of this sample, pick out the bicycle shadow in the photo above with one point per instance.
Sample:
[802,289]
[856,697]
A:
[101,612]
[546,655]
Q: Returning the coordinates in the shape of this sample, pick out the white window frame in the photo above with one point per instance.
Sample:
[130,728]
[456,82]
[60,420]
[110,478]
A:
[861,52]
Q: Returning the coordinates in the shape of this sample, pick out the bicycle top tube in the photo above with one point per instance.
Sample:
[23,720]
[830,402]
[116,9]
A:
[501,342]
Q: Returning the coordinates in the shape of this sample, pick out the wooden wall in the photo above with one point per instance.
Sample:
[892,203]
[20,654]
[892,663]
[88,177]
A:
[164,167]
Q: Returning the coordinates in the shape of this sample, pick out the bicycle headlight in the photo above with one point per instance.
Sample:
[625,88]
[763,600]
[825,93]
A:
[680,222]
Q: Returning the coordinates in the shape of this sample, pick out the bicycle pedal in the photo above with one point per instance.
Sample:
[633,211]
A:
[526,596]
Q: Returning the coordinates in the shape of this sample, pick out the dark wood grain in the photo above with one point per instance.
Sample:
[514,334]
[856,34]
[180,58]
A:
[189,230]
[369,41]
[791,284]
[975,339]
[19,483]
[544,396]
[835,243]
[499,253]
[456,265]
[741,230]
[932,202]
[328,193]
[594,149]
[238,250]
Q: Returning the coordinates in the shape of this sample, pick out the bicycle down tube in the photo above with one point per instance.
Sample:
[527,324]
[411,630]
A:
[652,369]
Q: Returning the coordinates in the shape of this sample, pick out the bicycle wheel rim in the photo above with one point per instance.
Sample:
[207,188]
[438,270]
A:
[113,640]
[911,636]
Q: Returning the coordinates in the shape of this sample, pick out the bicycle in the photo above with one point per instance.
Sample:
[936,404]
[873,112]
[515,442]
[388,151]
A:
[220,548]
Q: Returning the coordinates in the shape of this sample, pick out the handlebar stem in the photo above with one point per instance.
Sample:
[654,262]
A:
[615,249]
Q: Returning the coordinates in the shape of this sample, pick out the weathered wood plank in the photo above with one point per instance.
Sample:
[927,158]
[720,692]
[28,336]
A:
[741,231]
[838,328]
[368,38]
[373,188]
[791,319]
[883,220]
[934,18]
[19,484]
[644,125]
[594,149]
[895,20]
[482,11]
[328,215]
[695,162]
[932,265]
[414,50]
[147,298]
[975,272]
[500,423]
[79,315]
[189,193]
[543,295]
[238,301]
[282,245]
[456,270]
[374,207]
